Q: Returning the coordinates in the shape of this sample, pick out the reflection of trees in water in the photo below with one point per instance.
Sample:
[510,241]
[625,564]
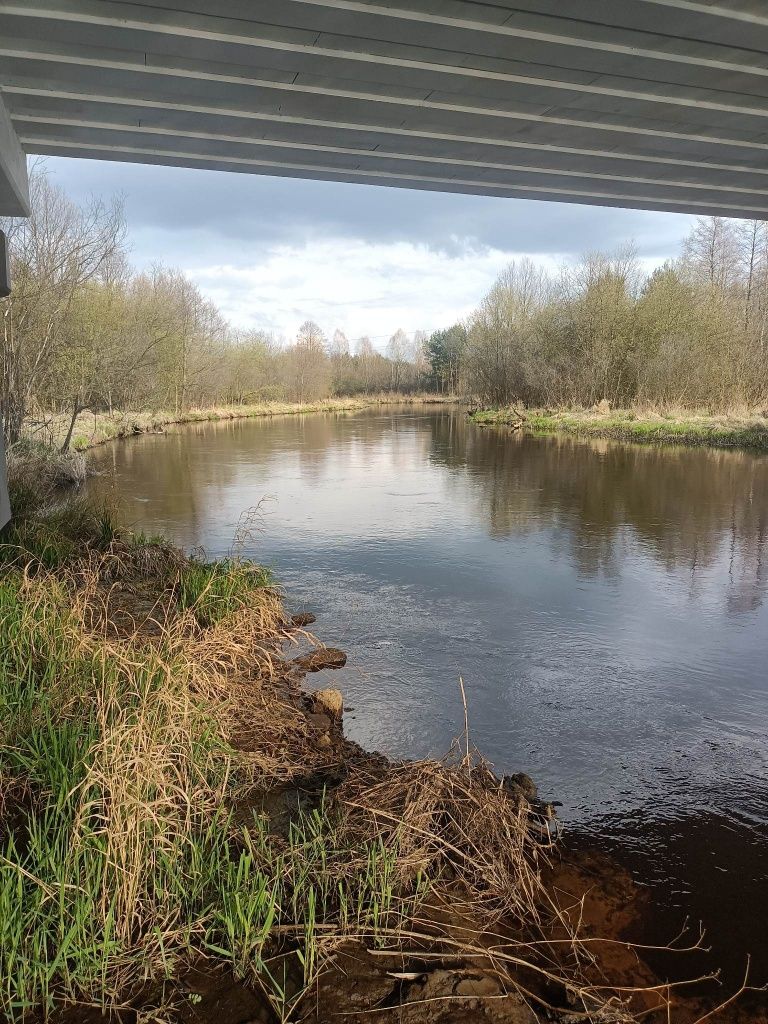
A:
[747,570]
[692,508]
[183,485]
[166,472]
[381,438]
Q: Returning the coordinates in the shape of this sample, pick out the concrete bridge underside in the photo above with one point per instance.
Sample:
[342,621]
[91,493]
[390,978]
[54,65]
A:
[652,104]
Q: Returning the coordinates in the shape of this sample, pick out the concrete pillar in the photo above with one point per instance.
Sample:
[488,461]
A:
[14,183]
[14,202]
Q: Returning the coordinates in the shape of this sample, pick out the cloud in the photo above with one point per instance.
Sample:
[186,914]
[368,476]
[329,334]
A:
[359,287]
[271,251]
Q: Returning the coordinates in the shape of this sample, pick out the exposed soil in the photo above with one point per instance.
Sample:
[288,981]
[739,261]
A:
[362,985]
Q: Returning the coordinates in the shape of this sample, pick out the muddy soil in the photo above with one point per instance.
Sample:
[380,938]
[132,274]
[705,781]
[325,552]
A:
[363,985]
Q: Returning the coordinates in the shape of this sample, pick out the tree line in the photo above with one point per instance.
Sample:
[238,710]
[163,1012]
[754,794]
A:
[82,330]
[692,333]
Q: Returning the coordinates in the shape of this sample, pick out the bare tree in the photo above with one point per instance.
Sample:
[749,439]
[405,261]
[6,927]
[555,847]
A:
[339,344]
[397,353]
[54,253]
[711,252]
[307,364]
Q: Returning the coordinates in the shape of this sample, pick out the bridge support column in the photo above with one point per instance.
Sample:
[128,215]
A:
[14,183]
[14,202]
[5,508]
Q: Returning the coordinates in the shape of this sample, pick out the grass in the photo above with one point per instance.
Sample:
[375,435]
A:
[146,708]
[215,590]
[93,429]
[743,430]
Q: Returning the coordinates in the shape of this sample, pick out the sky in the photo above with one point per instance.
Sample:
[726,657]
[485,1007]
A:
[274,252]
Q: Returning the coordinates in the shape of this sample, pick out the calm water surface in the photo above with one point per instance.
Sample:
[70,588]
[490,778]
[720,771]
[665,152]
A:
[604,603]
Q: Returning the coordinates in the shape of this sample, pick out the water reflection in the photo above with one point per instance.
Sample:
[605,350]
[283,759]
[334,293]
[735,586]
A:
[689,507]
[604,603]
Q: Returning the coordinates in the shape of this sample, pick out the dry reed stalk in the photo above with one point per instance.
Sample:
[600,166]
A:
[489,903]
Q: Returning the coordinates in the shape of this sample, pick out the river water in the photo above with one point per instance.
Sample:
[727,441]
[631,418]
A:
[604,604]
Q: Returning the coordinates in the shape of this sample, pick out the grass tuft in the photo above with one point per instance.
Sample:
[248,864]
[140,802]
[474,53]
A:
[213,591]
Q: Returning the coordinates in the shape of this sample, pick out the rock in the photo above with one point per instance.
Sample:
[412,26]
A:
[303,619]
[328,702]
[477,985]
[520,785]
[320,723]
[323,657]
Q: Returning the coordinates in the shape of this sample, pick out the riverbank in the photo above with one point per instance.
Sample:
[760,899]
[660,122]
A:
[727,431]
[187,833]
[93,429]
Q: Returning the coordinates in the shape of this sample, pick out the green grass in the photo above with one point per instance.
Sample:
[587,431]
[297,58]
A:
[53,536]
[213,590]
[122,857]
[627,425]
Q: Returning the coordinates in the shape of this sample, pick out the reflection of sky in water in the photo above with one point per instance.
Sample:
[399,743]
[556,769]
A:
[603,603]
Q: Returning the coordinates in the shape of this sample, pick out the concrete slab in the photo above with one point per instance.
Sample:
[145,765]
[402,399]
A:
[639,103]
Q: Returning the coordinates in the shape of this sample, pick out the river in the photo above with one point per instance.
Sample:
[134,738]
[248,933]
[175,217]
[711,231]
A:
[604,604]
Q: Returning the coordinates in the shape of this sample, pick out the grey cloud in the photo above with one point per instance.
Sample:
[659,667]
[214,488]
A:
[174,212]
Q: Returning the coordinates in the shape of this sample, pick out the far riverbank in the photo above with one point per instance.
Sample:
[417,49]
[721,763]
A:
[749,430]
[94,429]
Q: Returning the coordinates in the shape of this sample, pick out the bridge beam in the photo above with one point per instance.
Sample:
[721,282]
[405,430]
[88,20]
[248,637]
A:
[647,104]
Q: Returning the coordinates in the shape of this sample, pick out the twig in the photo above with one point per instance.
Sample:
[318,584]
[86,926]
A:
[466,727]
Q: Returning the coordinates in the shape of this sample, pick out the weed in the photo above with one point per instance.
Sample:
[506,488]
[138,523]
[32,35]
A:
[212,591]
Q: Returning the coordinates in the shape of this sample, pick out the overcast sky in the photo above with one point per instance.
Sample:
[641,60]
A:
[273,252]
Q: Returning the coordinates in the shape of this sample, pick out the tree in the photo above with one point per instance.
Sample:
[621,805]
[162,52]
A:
[307,366]
[339,345]
[602,312]
[365,359]
[397,353]
[502,335]
[445,351]
[54,253]
[310,336]
[711,252]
